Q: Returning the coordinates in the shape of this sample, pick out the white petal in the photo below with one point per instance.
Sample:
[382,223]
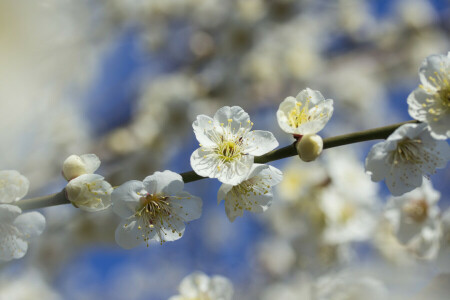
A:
[171,230]
[415,101]
[125,198]
[430,66]
[193,285]
[8,213]
[13,186]
[30,224]
[203,130]
[12,246]
[223,190]
[186,206]
[282,114]
[260,142]
[313,96]
[89,192]
[320,116]
[220,288]
[128,235]
[166,183]
[240,119]
[91,161]
[375,162]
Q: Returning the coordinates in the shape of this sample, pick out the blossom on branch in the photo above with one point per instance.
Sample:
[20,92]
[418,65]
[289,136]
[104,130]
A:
[89,192]
[16,229]
[75,165]
[430,102]
[13,186]
[308,113]
[253,194]
[199,286]
[405,157]
[227,145]
[154,209]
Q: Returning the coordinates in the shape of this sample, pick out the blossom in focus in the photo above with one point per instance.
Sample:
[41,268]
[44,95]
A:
[414,220]
[199,286]
[228,146]
[430,102]
[253,194]
[75,165]
[13,186]
[408,153]
[16,230]
[308,113]
[89,192]
[154,209]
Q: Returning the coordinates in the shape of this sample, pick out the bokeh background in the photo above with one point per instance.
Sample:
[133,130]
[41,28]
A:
[126,78]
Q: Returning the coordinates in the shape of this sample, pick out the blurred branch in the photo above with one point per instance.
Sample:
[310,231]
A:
[288,151]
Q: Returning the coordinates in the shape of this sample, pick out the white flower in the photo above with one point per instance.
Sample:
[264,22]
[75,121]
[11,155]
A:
[155,209]
[306,114]
[89,192]
[407,154]
[253,194]
[13,186]
[200,286]
[227,146]
[75,165]
[414,220]
[16,229]
[430,102]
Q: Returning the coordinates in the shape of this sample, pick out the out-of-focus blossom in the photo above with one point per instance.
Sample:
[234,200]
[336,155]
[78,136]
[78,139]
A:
[27,286]
[346,285]
[89,192]
[276,256]
[405,157]
[308,113]
[228,146]
[442,261]
[154,209]
[75,165]
[254,194]
[430,102]
[199,286]
[16,230]
[13,186]
[414,220]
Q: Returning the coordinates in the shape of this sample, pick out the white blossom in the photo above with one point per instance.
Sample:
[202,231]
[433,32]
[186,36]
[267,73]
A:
[13,186]
[199,286]
[89,192]
[227,145]
[430,102]
[308,113]
[253,194]
[154,209]
[75,165]
[414,220]
[407,154]
[16,230]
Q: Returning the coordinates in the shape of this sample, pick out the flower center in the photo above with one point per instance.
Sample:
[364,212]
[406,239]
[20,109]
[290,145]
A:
[416,211]
[229,150]
[298,115]
[407,151]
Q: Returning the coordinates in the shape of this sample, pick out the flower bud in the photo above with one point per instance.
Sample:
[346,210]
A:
[309,147]
[75,165]
[89,192]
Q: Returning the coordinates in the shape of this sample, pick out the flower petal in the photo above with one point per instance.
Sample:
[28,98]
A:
[30,224]
[125,198]
[166,183]
[239,118]
[91,161]
[128,235]
[223,190]
[260,142]
[186,206]
[13,186]
[203,128]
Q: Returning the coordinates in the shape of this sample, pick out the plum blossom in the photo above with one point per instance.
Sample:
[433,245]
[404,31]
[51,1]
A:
[253,194]
[414,220]
[308,113]
[405,157]
[228,146]
[89,192]
[13,186]
[199,286]
[16,230]
[430,102]
[154,209]
[75,165]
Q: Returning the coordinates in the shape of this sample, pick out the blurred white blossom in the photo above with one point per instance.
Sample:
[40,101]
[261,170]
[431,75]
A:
[13,186]
[154,209]
[405,157]
[199,286]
